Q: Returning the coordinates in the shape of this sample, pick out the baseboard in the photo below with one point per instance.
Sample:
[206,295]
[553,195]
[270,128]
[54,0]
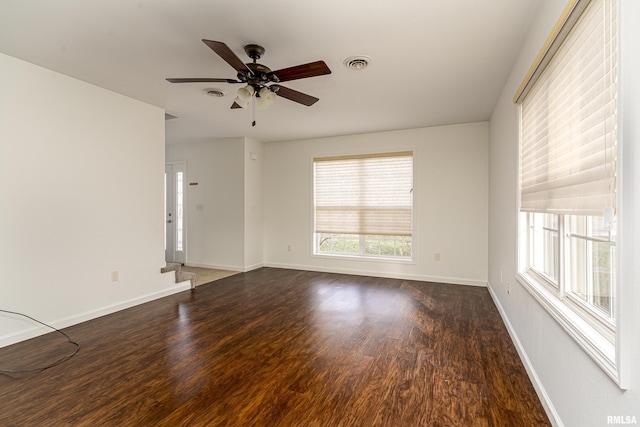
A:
[550,410]
[225,267]
[252,267]
[215,266]
[390,275]
[83,317]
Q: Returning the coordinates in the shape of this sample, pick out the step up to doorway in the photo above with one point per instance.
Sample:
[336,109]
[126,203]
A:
[181,276]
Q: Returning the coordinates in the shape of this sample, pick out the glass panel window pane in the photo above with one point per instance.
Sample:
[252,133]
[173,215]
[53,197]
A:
[338,243]
[165,210]
[179,210]
[603,276]
[403,246]
[372,245]
[364,245]
[351,244]
[592,262]
[388,246]
[544,245]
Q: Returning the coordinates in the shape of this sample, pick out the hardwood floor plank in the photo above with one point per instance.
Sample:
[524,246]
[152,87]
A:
[279,347]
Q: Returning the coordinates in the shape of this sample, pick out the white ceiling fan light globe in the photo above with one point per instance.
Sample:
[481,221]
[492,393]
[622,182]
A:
[265,99]
[261,103]
[269,95]
[245,93]
[242,103]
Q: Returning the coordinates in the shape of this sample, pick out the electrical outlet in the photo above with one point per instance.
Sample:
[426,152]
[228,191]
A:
[508,288]
[436,256]
[114,276]
[289,248]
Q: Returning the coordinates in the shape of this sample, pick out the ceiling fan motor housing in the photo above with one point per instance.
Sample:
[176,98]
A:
[260,75]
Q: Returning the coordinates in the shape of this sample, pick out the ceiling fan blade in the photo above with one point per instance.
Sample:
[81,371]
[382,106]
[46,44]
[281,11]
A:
[202,80]
[227,54]
[295,96]
[311,69]
[235,105]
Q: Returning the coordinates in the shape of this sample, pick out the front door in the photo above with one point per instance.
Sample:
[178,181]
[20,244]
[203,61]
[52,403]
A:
[174,212]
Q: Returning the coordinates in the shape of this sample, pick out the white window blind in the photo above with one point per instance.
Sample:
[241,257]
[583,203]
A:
[367,195]
[568,157]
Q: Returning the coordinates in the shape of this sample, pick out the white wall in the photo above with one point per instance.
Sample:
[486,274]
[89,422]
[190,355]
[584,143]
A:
[575,391]
[224,212]
[81,193]
[215,212]
[450,199]
[253,205]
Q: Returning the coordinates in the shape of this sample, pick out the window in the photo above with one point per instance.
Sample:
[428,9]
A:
[364,245]
[592,257]
[568,177]
[543,239]
[586,249]
[179,210]
[363,205]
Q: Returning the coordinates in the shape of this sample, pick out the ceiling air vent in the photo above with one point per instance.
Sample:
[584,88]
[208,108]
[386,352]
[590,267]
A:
[357,62]
[218,93]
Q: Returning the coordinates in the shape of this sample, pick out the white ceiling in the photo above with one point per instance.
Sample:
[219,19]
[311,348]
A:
[435,62]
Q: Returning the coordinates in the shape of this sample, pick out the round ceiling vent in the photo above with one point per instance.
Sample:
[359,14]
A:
[357,62]
[218,93]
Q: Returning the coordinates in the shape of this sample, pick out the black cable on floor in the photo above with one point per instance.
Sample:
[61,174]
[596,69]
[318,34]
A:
[51,365]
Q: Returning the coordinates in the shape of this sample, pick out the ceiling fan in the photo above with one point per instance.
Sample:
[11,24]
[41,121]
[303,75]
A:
[261,83]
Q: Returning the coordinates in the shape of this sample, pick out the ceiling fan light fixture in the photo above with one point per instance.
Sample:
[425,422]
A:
[357,62]
[265,98]
[256,77]
[241,103]
[245,93]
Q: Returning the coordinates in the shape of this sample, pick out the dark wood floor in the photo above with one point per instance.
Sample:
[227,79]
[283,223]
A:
[281,348]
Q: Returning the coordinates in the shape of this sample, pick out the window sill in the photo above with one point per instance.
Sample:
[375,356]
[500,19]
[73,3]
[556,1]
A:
[601,350]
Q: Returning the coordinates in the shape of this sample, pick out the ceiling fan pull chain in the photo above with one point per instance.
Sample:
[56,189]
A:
[253,110]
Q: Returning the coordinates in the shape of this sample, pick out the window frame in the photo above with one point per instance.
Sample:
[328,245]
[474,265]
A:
[611,352]
[315,253]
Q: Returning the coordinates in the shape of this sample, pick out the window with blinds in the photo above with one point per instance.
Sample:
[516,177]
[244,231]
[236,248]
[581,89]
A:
[567,256]
[363,204]
[568,133]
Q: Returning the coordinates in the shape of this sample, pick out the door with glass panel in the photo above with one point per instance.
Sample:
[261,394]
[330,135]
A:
[174,212]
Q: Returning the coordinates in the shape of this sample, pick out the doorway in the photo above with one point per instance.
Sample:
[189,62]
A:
[175,177]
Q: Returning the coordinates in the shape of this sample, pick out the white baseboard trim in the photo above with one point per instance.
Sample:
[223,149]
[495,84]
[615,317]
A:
[215,266]
[252,267]
[390,275]
[225,267]
[83,317]
[550,410]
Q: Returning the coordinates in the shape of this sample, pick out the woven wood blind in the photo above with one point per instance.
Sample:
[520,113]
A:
[369,194]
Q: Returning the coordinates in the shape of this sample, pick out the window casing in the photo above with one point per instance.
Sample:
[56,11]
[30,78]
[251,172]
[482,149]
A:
[567,253]
[363,206]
